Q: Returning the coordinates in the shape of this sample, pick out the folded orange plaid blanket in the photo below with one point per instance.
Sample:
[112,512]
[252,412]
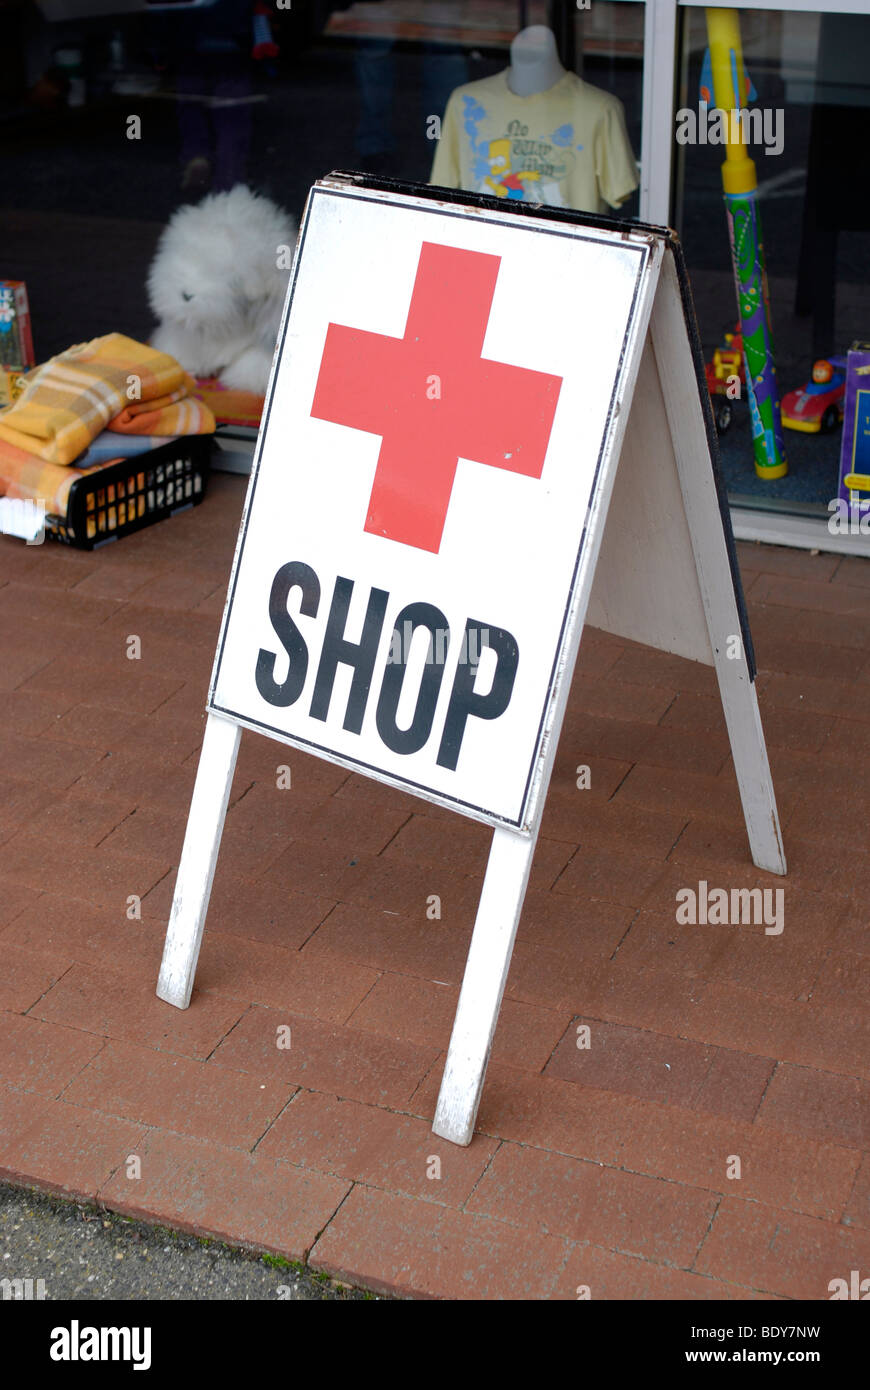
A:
[178,412]
[25,476]
[72,397]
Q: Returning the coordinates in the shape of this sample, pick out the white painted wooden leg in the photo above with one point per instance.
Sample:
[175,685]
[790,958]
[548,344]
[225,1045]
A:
[692,452]
[205,823]
[486,970]
[754,781]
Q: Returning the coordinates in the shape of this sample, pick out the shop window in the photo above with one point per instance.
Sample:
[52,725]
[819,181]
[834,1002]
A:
[810,106]
[111,120]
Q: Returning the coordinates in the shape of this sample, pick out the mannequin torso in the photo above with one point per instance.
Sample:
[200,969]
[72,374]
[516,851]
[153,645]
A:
[535,65]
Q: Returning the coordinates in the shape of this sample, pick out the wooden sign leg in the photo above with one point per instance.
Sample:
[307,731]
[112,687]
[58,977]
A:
[205,823]
[751,765]
[486,971]
[691,450]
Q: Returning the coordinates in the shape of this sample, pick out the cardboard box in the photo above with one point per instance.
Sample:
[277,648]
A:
[12,381]
[16,339]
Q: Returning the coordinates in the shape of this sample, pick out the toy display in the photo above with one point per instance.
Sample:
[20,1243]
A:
[726,366]
[817,407]
[744,228]
[217,286]
[855,447]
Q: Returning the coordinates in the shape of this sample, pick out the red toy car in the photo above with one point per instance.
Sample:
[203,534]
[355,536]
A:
[817,407]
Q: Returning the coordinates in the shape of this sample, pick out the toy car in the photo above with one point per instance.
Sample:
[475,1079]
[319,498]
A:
[817,407]
[726,364]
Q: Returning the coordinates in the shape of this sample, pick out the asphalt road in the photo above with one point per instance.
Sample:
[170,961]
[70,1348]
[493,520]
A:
[84,1253]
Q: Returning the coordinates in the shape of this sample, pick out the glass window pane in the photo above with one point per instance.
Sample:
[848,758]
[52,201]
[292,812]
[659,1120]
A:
[114,120]
[809,107]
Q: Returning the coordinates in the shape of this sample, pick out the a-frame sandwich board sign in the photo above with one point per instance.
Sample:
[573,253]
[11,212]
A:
[486,424]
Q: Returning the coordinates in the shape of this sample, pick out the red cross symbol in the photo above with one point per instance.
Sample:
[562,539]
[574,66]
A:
[433,398]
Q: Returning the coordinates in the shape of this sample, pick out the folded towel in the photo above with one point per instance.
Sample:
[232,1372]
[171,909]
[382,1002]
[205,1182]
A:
[175,413]
[25,476]
[69,399]
[228,406]
[113,446]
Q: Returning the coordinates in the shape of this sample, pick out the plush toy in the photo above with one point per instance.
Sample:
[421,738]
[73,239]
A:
[217,285]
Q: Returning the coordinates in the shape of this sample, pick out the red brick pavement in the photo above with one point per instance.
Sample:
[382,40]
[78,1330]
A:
[615,1166]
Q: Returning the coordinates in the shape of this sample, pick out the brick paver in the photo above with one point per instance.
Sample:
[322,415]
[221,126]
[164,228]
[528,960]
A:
[671,1111]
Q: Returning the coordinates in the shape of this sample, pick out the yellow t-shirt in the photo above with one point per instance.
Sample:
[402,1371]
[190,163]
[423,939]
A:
[567,146]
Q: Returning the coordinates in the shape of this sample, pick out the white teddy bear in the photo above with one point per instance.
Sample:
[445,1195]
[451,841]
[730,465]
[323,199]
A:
[217,284]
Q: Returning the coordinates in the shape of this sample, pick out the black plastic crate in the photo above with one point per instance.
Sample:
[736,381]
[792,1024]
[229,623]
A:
[135,492]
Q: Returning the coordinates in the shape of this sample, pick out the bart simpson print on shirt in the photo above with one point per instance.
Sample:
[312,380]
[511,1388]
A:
[518,165]
[502,180]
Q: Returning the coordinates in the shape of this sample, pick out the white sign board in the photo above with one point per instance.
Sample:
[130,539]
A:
[414,538]
[433,509]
